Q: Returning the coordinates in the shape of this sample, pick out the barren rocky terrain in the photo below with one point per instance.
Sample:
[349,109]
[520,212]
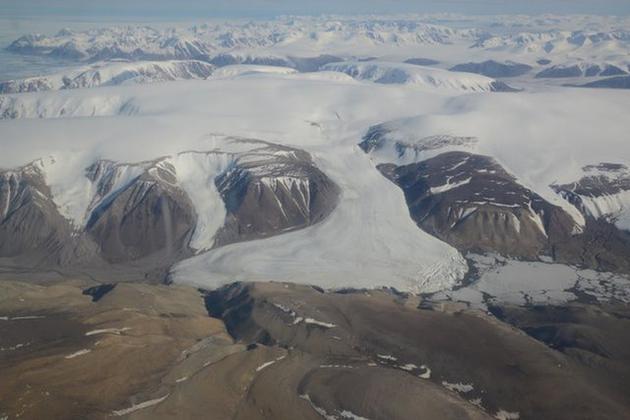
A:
[283,351]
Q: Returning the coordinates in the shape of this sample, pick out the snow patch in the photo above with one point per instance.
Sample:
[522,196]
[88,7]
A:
[15,347]
[21,318]
[506,415]
[343,414]
[426,374]
[319,323]
[458,387]
[336,367]
[78,353]
[116,331]
[140,406]
[267,364]
[264,365]
[448,186]
[408,367]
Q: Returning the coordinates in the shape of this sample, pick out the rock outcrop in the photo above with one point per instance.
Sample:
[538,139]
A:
[274,189]
[152,214]
[471,202]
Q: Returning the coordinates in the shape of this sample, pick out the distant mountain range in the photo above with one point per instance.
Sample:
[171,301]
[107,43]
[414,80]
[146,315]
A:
[201,42]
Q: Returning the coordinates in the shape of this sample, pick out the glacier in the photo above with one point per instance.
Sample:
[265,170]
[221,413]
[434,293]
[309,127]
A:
[158,97]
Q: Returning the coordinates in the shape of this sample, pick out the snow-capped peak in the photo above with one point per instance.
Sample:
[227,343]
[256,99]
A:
[409,74]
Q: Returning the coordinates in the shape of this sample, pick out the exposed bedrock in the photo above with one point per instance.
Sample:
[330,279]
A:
[493,68]
[152,214]
[602,192]
[32,231]
[602,195]
[581,70]
[471,202]
[365,345]
[619,82]
[269,194]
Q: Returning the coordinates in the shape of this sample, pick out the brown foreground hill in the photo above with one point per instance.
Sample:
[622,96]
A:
[282,351]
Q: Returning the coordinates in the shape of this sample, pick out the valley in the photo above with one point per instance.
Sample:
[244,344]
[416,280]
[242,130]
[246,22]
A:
[338,217]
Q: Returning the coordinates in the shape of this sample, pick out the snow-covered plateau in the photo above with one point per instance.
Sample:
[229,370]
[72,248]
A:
[112,73]
[413,75]
[320,87]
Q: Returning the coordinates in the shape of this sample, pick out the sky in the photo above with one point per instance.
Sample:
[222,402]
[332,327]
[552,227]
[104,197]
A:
[266,8]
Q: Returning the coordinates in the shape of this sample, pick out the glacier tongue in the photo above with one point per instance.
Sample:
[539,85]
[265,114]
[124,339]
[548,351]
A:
[196,173]
[265,189]
[368,240]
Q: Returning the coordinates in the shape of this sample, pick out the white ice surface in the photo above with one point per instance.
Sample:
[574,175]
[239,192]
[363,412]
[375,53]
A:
[249,69]
[369,240]
[541,137]
[521,283]
[412,75]
[58,104]
[520,38]
[614,207]
[109,73]
[459,387]
[196,173]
